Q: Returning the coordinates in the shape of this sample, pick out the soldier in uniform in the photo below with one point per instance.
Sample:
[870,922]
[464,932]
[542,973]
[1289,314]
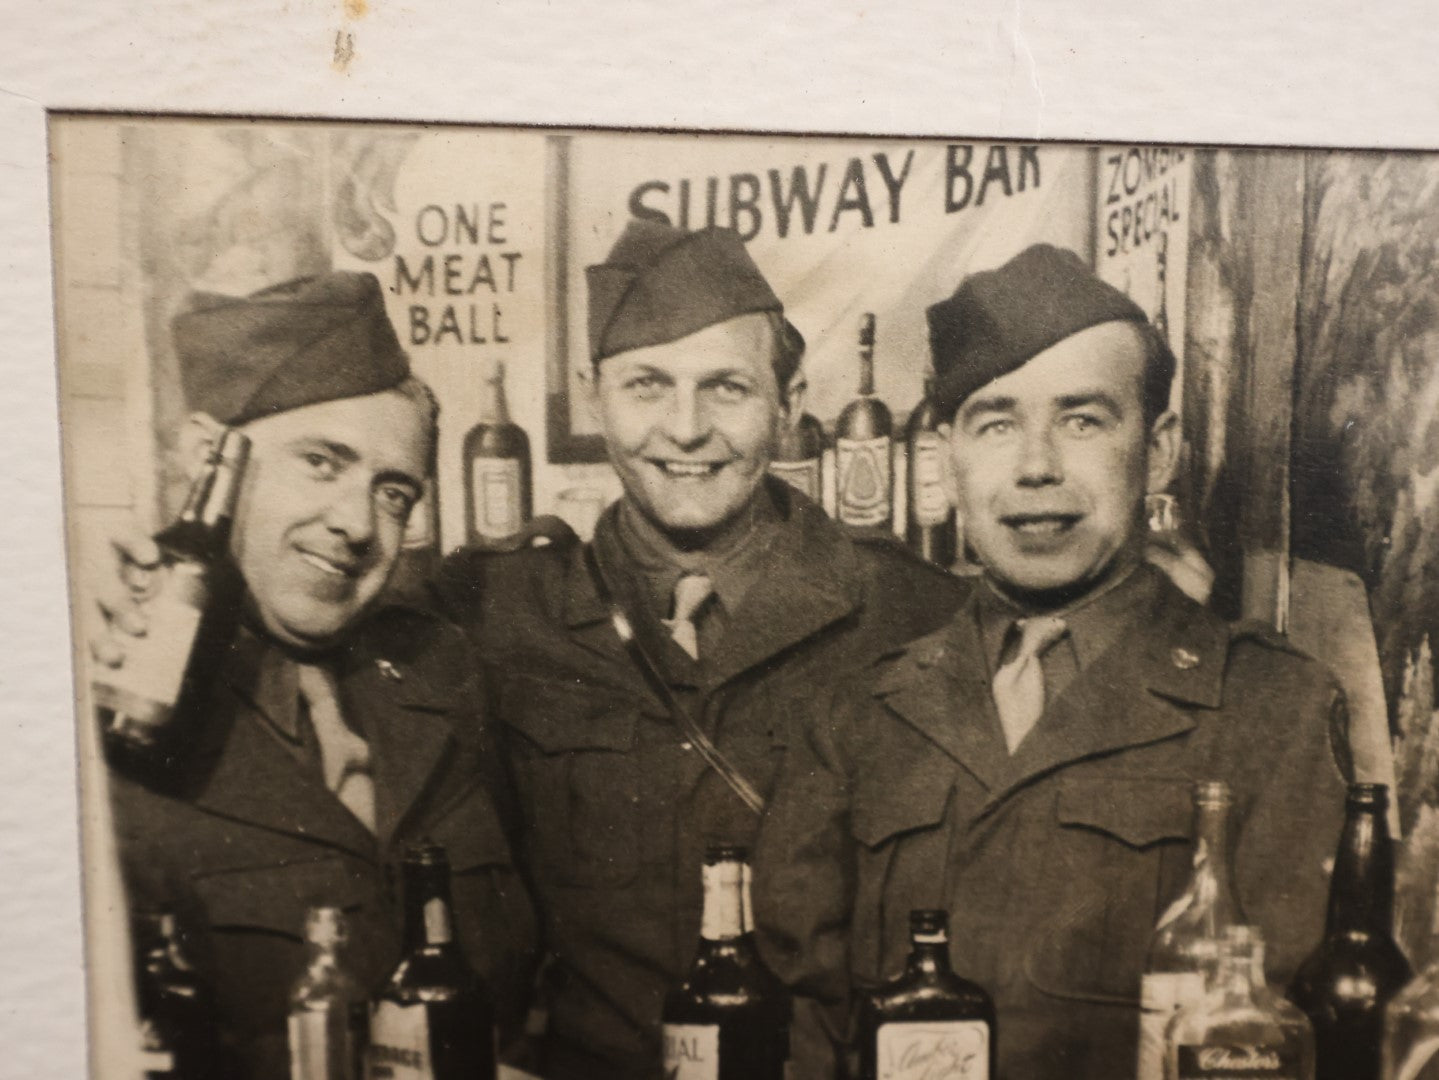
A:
[340,727]
[1028,766]
[745,597]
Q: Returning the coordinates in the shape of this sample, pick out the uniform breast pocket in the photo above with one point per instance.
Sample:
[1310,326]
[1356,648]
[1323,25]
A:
[580,781]
[1107,853]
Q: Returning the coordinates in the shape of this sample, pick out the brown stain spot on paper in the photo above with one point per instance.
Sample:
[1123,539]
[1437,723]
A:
[356,8]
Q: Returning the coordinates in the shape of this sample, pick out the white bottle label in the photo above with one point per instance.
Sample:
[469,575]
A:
[321,1045]
[722,917]
[933,1050]
[399,1043]
[931,503]
[1161,995]
[497,497]
[1250,1061]
[691,1051]
[864,468]
[155,664]
[803,476]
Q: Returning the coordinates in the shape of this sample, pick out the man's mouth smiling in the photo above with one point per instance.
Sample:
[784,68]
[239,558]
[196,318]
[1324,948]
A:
[687,470]
[1040,526]
[334,569]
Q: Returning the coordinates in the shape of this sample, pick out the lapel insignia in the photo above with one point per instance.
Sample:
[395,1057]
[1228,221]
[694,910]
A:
[389,671]
[1184,659]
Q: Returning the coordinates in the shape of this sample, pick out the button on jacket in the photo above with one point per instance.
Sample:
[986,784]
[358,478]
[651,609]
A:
[617,809]
[248,836]
[1054,862]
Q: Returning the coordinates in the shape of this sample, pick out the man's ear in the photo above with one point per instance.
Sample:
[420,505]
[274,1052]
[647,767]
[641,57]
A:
[197,439]
[950,477]
[1163,452]
[589,379]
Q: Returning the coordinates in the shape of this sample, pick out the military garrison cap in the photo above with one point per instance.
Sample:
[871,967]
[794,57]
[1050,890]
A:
[998,320]
[660,284]
[307,341]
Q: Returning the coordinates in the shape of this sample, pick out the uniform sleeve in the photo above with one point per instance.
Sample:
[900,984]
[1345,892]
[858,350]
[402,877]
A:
[1289,831]
[804,886]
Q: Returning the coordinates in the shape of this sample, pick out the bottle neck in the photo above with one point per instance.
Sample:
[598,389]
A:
[1361,890]
[928,955]
[494,407]
[866,371]
[1213,878]
[429,918]
[725,903]
[322,957]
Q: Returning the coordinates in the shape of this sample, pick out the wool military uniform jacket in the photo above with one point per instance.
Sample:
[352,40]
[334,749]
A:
[617,809]
[246,836]
[1054,863]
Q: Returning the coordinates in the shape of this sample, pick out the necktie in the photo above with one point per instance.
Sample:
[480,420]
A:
[1019,683]
[691,592]
[344,755]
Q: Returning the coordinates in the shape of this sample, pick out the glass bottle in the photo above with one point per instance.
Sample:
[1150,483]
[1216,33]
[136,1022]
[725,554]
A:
[863,449]
[1344,984]
[433,1019]
[729,1019]
[327,1009]
[928,1022]
[189,618]
[930,528]
[1185,937]
[1239,1028]
[177,1009]
[498,483]
[799,456]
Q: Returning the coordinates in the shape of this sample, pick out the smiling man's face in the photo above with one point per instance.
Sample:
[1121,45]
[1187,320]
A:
[690,425]
[323,508]
[1052,461]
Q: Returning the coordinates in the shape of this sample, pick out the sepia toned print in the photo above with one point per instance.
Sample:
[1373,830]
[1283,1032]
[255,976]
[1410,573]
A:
[620,604]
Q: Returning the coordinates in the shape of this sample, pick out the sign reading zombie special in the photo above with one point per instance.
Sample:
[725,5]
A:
[843,230]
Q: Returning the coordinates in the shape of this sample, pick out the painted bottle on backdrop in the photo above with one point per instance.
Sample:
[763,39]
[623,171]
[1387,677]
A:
[930,525]
[1239,1028]
[433,1019]
[928,1021]
[1183,947]
[729,1019]
[326,1025]
[498,471]
[191,614]
[1345,983]
[799,456]
[863,448]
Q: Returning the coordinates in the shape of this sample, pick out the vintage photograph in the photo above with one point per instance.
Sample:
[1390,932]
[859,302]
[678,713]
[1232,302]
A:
[615,604]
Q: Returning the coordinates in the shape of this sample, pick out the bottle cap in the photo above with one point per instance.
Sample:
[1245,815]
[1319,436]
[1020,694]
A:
[326,927]
[1212,793]
[1371,795]
[718,853]
[929,923]
[426,853]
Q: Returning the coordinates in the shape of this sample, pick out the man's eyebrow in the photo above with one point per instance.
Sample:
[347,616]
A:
[993,403]
[1086,398]
[343,451]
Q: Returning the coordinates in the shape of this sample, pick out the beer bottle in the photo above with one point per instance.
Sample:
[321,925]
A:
[433,1019]
[177,1010]
[1187,933]
[930,529]
[1344,984]
[863,468]
[1239,1028]
[928,1021]
[327,1009]
[497,468]
[729,1019]
[190,618]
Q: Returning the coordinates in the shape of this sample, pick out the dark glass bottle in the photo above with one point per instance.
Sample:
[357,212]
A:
[177,1010]
[862,448]
[191,615]
[729,1019]
[928,1021]
[433,1019]
[799,456]
[1344,985]
[929,528]
[498,473]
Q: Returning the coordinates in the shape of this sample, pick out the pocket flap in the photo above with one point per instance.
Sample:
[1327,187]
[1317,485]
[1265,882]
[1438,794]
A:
[1138,811]
[276,896]
[559,717]
[896,802]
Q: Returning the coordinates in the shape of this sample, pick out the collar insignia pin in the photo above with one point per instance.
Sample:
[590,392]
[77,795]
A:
[389,671]
[1184,659]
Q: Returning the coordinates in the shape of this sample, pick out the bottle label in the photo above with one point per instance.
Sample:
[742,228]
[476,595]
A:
[399,1043]
[930,504]
[933,1050]
[1260,1061]
[322,1045]
[863,467]
[722,917]
[1161,995]
[803,476]
[691,1052]
[497,497]
[438,930]
[155,664]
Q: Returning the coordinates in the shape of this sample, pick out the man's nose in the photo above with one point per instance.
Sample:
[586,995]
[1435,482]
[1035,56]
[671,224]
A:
[687,421]
[351,512]
[1040,461]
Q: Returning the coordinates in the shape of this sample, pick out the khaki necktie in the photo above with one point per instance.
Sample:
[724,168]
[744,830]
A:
[344,755]
[1019,683]
[691,592]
